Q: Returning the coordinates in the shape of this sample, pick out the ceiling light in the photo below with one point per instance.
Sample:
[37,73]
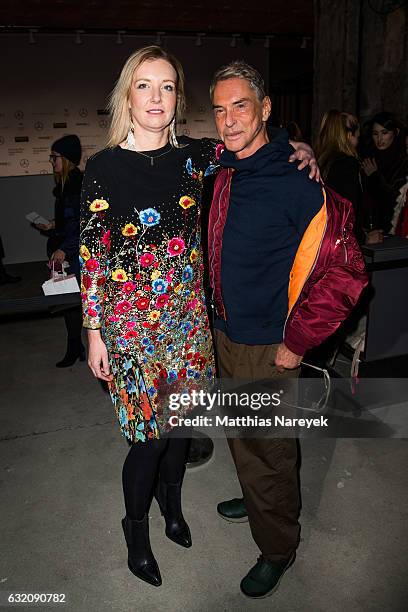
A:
[199,39]
[31,36]
[78,37]
[159,38]
[119,38]
[268,39]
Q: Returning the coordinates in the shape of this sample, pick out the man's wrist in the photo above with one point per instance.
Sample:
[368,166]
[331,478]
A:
[294,348]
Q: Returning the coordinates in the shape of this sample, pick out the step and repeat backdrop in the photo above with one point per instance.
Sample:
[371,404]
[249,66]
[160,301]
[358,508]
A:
[56,86]
[27,134]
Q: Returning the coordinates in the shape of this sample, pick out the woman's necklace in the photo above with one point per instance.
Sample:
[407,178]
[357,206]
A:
[131,145]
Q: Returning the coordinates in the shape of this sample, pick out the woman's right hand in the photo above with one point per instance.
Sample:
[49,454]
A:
[369,166]
[98,356]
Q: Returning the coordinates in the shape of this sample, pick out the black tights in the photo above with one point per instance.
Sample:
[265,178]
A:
[73,323]
[144,463]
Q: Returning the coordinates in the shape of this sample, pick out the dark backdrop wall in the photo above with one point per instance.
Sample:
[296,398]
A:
[361,57]
[291,84]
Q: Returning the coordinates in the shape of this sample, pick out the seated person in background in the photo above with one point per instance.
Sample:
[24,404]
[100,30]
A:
[385,171]
[336,151]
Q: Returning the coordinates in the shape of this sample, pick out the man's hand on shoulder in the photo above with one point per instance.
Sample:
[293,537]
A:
[286,360]
[305,154]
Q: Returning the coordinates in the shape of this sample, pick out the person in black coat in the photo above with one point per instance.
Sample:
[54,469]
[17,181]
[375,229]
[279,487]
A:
[336,150]
[385,169]
[63,232]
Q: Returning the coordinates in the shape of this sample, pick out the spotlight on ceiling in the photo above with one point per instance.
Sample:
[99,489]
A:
[159,38]
[199,39]
[31,36]
[119,37]
[78,37]
[233,42]
[268,39]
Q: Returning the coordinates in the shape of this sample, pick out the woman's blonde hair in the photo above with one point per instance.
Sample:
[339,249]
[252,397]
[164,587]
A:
[61,177]
[119,98]
[333,138]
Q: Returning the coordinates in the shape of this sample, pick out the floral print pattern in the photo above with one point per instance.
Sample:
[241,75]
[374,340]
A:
[142,274]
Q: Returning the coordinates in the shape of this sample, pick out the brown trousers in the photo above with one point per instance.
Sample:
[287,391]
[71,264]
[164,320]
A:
[266,467]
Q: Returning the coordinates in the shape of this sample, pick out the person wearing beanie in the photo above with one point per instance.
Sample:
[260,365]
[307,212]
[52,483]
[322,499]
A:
[69,147]
[63,231]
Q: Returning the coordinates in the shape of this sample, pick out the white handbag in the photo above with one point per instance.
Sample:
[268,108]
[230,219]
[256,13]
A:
[60,283]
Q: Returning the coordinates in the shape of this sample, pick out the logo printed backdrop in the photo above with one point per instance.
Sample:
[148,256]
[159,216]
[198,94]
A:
[56,87]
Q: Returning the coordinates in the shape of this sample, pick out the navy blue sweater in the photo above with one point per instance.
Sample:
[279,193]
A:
[271,205]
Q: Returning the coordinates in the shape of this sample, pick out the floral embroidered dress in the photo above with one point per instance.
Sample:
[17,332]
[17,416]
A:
[142,273]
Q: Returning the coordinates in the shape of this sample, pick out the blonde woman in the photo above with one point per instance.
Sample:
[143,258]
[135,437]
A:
[142,273]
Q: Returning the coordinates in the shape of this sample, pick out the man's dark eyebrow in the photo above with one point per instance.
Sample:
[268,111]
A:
[241,100]
[236,102]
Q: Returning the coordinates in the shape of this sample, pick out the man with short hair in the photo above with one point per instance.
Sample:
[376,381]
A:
[285,270]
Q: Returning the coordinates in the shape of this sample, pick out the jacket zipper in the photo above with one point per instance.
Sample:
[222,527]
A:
[343,240]
[227,185]
[218,218]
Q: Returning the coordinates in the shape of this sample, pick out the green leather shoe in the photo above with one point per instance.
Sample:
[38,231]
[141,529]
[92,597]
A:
[264,578]
[233,510]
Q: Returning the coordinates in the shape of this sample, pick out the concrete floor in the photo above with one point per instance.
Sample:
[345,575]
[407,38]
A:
[61,456]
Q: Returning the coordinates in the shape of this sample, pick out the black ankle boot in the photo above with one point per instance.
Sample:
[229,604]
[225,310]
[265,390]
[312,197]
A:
[169,499]
[75,350]
[141,561]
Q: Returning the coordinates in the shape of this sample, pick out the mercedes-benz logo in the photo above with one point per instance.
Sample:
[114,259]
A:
[186,132]
[201,109]
[19,114]
[38,126]
[103,123]
[24,163]
[83,112]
